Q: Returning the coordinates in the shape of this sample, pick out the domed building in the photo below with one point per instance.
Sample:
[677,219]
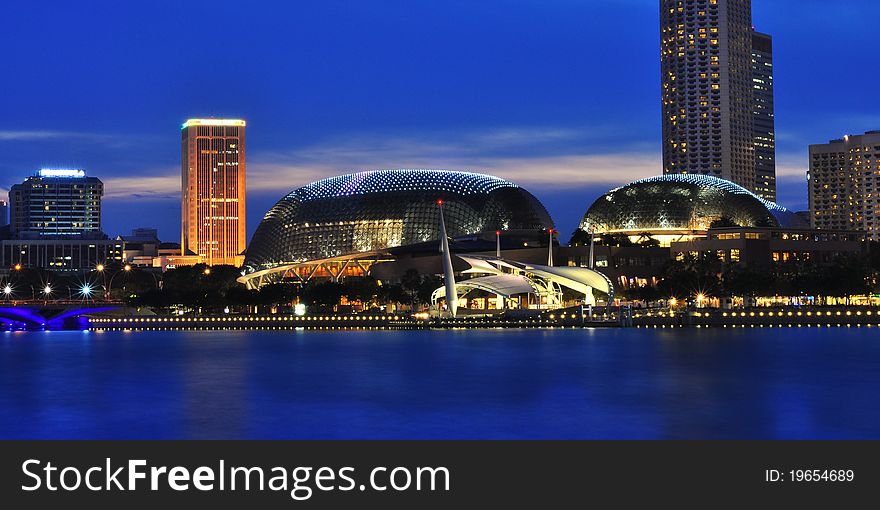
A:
[673,206]
[376,210]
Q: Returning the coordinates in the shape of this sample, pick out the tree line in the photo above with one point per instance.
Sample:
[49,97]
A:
[691,275]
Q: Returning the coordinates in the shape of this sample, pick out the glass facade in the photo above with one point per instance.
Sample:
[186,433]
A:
[387,208]
[56,204]
[681,202]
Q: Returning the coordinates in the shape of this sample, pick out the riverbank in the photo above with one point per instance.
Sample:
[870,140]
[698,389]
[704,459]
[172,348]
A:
[704,318]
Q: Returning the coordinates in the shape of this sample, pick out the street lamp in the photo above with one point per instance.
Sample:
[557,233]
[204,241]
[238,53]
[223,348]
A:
[109,286]
[207,271]
[7,291]
[86,291]
[100,268]
[47,290]
[700,298]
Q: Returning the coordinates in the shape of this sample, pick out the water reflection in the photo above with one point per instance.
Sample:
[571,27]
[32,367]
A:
[681,384]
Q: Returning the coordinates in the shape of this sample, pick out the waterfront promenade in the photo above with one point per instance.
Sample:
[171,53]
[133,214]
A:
[756,317]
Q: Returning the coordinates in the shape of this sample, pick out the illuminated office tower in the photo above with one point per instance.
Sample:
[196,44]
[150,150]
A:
[56,203]
[213,190]
[4,213]
[844,182]
[708,91]
[764,119]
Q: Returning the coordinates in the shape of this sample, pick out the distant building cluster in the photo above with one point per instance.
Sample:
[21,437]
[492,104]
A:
[717,194]
[55,215]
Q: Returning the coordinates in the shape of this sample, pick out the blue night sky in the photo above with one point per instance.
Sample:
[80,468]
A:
[561,96]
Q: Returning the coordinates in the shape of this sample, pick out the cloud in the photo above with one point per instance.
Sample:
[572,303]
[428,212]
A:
[791,165]
[40,135]
[526,156]
[539,157]
[26,136]
[113,141]
[161,184]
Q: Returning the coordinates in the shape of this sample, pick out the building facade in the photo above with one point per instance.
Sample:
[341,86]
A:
[4,213]
[56,203]
[677,207]
[61,254]
[380,209]
[709,114]
[213,190]
[843,184]
[765,246]
[764,119]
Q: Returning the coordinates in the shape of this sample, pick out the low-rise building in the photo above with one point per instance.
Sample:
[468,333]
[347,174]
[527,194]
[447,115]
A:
[60,254]
[757,246]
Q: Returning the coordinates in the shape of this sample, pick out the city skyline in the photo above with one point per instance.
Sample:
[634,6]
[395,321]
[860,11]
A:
[540,118]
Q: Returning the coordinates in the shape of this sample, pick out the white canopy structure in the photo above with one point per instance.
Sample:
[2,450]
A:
[508,278]
[505,285]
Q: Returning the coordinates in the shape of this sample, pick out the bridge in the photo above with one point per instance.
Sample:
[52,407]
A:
[51,315]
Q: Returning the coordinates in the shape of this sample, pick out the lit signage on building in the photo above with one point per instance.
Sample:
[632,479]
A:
[213,122]
[62,172]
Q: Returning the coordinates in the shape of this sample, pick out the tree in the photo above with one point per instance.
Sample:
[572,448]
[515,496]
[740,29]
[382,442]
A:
[614,239]
[723,222]
[411,282]
[364,290]
[324,295]
[746,282]
[393,293]
[277,294]
[646,240]
[692,275]
[419,287]
[429,284]
[847,275]
[579,237]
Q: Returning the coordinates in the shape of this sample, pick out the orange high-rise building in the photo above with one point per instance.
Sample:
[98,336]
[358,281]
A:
[213,190]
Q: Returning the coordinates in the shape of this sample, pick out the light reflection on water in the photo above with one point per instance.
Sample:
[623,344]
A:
[604,383]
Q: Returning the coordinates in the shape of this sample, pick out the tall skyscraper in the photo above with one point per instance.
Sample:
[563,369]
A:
[4,213]
[764,119]
[844,182]
[710,117]
[56,203]
[213,190]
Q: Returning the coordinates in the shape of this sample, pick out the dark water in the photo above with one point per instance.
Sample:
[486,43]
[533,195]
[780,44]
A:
[609,383]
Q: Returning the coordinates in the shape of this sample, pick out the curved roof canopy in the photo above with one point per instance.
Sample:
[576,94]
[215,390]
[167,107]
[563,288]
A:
[506,285]
[579,279]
